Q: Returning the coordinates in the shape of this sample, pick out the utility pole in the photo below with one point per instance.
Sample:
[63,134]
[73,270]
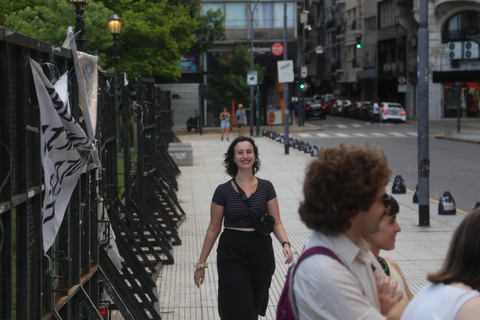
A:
[286,101]
[423,130]
[251,62]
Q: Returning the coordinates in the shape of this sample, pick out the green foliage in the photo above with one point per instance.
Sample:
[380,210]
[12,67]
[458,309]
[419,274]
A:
[155,33]
[231,84]
[210,29]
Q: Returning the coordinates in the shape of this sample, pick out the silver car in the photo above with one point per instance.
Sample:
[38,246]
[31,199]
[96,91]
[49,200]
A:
[392,111]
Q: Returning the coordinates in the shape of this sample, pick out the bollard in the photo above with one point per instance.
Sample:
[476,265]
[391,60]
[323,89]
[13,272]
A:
[314,151]
[296,145]
[308,148]
[292,142]
[302,146]
[415,195]
[398,185]
[264,133]
[447,204]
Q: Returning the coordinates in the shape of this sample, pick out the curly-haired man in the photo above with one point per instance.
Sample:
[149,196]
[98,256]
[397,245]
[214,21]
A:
[344,199]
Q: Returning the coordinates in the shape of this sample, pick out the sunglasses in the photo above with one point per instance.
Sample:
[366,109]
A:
[387,200]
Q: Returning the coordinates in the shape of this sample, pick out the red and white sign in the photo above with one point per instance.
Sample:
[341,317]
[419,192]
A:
[402,80]
[277,48]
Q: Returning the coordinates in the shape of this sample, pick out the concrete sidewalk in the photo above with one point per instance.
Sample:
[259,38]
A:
[419,250]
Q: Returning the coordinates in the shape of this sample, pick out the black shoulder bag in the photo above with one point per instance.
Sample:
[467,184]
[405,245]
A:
[263,223]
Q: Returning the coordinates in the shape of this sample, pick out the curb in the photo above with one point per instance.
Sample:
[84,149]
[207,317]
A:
[448,136]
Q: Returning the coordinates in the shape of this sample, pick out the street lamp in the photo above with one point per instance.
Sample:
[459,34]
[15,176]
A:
[79,22]
[115,26]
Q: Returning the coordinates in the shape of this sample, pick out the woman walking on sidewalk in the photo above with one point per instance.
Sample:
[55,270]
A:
[225,123]
[245,259]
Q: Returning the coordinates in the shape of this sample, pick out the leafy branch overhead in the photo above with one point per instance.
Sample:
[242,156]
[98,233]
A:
[155,33]
[229,83]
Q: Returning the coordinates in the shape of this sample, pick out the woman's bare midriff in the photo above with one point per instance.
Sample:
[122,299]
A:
[241,229]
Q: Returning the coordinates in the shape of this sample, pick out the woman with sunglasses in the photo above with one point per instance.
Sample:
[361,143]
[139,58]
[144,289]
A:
[385,240]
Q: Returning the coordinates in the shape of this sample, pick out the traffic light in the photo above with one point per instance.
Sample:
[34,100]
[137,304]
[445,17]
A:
[303,86]
[359,41]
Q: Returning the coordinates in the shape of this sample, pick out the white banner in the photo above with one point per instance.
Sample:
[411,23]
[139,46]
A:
[66,150]
[87,79]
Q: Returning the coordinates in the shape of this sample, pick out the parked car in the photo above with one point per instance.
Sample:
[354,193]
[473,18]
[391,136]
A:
[338,105]
[315,109]
[329,105]
[366,111]
[392,111]
[347,105]
[354,111]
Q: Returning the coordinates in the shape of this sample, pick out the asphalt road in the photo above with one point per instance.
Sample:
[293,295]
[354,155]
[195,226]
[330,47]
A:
[454,165]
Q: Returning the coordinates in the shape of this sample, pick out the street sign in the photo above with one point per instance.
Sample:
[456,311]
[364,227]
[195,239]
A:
[402,80]
[304,71]
[318,49]
[285,71]
[252,78]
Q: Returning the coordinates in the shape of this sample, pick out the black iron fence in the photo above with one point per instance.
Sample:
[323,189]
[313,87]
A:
[86,272]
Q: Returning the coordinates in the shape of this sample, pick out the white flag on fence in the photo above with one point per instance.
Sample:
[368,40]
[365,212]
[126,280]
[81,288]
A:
[65,147]
[87,79]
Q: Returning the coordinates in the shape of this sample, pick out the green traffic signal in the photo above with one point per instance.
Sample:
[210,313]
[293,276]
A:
[359,45]
[359,41]
[302,86]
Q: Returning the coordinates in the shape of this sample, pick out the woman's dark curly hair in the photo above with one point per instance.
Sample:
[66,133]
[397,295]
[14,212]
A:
[338,184]
[231,166]
[462,263]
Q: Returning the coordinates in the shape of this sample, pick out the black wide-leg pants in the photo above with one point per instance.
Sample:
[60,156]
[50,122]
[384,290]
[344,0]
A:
[245,264]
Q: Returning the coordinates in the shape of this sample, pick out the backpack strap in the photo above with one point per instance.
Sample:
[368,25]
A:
[309,252]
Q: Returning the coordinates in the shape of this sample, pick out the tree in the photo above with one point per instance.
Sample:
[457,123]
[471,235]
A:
[155,33]
[230,83]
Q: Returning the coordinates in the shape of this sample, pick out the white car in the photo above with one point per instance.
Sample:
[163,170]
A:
[392,111]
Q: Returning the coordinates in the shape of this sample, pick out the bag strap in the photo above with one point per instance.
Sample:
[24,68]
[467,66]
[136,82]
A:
[309,252]
[242,195]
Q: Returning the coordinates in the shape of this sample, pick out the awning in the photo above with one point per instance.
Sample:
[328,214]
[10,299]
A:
[456,76]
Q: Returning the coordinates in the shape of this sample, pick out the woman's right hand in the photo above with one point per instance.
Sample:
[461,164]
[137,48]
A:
[199,276]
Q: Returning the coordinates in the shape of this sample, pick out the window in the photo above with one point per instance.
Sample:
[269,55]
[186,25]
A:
[387,16]
[461,26]
[370,24]
[270,15]
[235,12]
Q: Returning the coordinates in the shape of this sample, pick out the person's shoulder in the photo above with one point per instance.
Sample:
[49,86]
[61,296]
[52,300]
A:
[392,263]
[225,185]
[470,309]
[264,182]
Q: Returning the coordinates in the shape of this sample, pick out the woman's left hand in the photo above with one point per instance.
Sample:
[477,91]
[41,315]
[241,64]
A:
[287,252]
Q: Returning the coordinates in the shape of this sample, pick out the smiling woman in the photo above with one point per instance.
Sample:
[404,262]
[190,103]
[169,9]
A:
[245,258]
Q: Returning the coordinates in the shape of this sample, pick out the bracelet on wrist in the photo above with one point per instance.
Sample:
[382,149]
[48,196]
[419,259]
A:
[286,242]
[201,266]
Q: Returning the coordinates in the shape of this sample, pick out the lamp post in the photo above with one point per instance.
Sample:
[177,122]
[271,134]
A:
[115,26]
[79,22]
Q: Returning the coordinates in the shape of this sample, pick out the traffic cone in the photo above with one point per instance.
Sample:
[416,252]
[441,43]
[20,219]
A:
[398,185]
[447,204]
[415,195]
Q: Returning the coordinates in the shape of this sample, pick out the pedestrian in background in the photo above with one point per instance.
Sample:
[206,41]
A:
[385,240]
[225,123]
[245,258]
[241,117]
[454,291]
[344,200]
[377,117]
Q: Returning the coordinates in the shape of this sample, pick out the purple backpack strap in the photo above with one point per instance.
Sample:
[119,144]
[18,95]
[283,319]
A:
[307,253]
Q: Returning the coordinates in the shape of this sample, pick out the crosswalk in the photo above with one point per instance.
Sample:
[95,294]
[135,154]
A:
[357,135]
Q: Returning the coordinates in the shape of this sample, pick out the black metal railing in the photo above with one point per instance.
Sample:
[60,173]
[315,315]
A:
[140,220]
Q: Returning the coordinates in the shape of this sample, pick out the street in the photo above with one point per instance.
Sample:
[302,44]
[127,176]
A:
[453,164]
